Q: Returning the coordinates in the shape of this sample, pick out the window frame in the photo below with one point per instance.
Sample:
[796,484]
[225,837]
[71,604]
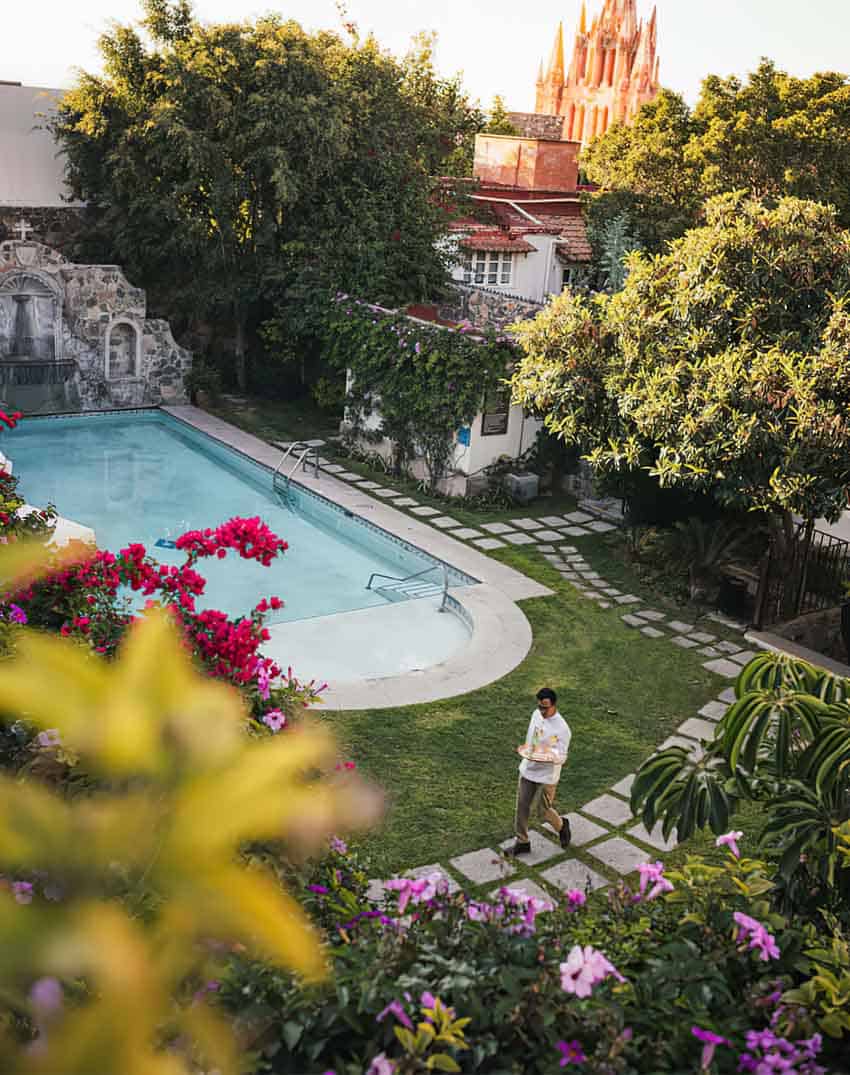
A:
[496,405]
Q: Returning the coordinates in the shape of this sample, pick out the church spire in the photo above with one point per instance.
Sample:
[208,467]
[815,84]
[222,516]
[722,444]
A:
[582,26]
[556,61]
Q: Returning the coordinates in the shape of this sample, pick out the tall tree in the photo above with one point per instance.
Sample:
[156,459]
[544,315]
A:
[720,367]
[226,161]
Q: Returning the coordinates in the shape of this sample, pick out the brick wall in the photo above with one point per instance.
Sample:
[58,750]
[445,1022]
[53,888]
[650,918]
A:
[538,125]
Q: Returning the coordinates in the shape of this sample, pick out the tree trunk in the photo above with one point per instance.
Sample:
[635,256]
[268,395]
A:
[789,552]
[241,378]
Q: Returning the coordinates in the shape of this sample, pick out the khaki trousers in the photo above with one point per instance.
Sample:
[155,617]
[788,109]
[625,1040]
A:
[535,797]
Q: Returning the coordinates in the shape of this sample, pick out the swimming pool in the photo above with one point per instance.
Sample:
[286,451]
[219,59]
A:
[147,477]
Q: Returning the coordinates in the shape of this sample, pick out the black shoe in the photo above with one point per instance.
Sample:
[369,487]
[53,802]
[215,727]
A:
[520,849]
[566,833]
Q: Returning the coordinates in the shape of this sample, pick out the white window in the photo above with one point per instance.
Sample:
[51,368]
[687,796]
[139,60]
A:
[489,267]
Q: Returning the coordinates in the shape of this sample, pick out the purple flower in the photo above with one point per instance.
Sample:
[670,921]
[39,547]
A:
[381,1065]
[653,872]
[418,347]
[48,739]
[710,1042]
[571,1053]
[22,891]
[46,996]
[17,614]
[264,684]
[394,1008]
[756,936]
[274,719]
[339,846]
[584,969]
[730,840]
[320,889]
[575,899]
[427,1000]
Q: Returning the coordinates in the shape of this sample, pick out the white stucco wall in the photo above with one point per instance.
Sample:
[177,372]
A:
[31,172]
[534,275]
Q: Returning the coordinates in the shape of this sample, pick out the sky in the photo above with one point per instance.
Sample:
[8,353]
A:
[497,44]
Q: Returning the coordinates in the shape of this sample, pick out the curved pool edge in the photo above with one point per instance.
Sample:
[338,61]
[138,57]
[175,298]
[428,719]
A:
[501,639]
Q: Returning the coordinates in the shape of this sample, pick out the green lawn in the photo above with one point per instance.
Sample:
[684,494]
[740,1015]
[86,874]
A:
[449,768]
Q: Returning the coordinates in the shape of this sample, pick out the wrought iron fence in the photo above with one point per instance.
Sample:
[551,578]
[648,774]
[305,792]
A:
[815,575]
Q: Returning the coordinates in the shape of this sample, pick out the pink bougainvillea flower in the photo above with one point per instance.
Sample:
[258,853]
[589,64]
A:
[710,1042]
[571,1053]
[756,936]
[274,719]
[730,840]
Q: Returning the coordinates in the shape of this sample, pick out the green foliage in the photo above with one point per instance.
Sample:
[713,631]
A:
[784,742]
[827,989]
[238,168]
[426,382]
[773,135]
[616,241]
[720,367]
[497,120]
[703,547]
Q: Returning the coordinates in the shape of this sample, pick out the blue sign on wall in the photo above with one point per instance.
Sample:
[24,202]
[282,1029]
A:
[463,435]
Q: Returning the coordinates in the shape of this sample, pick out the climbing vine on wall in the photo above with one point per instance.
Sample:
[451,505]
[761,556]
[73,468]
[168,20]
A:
[425,381]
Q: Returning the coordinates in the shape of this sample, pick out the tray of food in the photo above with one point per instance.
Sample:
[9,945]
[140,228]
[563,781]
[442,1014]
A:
[538,754]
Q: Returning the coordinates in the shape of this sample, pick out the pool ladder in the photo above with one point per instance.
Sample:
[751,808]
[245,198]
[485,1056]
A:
[411,586]
[306,451]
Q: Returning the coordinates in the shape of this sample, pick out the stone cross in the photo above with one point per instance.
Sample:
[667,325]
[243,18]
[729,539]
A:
[24,227]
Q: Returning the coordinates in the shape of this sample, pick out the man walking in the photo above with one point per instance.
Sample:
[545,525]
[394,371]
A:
[544,752]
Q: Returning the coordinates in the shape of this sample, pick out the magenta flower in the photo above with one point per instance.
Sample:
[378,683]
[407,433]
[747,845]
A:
[584,969]
[381,1065]
[274,719]
[17,614]
[575,899]
[571,1053]
[710,1042]
[653,872]
[46,996]
[730,840]
[339,846]
[394,1008]
[48,739]
[756,936]
[22,891]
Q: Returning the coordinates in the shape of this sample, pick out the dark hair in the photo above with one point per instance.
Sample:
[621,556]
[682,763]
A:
[547,692]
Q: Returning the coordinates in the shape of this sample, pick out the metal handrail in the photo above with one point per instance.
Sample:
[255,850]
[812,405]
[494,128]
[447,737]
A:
[301,459]
[292,447]
[415,575]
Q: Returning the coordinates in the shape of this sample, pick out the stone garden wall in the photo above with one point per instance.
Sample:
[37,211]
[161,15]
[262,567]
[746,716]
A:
[56,226]
[108,353]
[486,309]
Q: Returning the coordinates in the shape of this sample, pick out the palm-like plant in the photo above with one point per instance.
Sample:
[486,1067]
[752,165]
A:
[784,742]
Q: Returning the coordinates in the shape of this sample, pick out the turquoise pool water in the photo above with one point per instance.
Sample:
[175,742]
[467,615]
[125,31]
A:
[144,476]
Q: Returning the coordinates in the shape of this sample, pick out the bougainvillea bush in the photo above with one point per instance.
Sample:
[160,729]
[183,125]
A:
[688,971]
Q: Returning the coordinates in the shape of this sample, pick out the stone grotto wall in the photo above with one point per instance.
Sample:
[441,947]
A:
[486,309]
[110,353]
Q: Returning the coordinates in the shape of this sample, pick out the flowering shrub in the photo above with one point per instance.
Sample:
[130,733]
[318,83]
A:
[660,980]
[426,381]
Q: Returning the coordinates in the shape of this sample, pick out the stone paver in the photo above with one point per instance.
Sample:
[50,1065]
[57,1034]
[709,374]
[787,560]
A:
[710,651]
[445,522]
[570,576]
[697,728]
[568,550]
[573,874]
[613,593]
[652,632]
[612,810]
[728,647]
[375,890]
[546,548]
[526,524]
[466,534]
[552,520]
[578,517]
[575,531]
[541,849]
[333,468]
[583,830]
[496,528]
[482,866]
[519,539]
[655,838]
[721,666]
[727,621]
[434,867]
[592,576]
[406,502]
[627,599]
[384,493]
[728,695]
[604,604]
[524,885]
[371,485]
[624,786]
[701,636]
[547,535]
[713,710]
[601,527]
[684,642]
[743,657]
[489,543]
[681,628]
[424,511]
[350,476]
[632,621]
[620,855]
[651,614]
[575,558]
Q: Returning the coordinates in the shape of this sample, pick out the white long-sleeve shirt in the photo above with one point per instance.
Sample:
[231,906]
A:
[546,733]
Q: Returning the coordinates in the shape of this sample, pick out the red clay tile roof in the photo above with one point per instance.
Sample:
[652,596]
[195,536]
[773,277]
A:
[497,242]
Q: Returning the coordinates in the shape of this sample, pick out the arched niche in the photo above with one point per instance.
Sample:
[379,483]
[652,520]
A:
[30,316]
[123,349]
